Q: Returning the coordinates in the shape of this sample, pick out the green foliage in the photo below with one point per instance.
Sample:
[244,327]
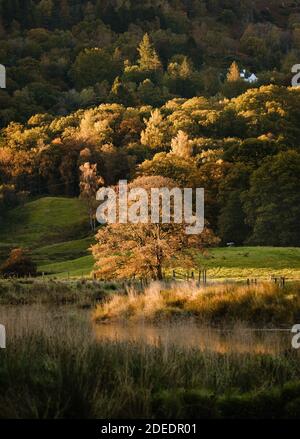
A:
[93,66]
[51,47]
[272,203]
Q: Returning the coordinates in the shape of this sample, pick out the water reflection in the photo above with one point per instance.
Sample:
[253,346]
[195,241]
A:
[240,339]
[72,323]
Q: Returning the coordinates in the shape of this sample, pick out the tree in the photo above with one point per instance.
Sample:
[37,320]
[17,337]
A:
[272,204]
[234,84]
[121,93]
[232,225]
[181,145]
[89,185]
[18,264]
[251,151]
[182,79]
[148,59]
[150,94]
[182,170]
[153,135]
[45,11]
[233,74]
[145,250]
[94,66]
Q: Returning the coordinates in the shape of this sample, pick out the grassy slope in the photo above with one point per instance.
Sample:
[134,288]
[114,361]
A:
[74,268]
[54,229]
[46,220]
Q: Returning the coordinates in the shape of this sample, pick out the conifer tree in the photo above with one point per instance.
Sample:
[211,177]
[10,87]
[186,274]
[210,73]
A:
[233,74]
[149,59]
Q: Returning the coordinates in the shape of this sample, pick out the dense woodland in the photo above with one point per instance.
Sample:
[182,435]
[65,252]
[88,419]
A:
[63,55]
[153,88]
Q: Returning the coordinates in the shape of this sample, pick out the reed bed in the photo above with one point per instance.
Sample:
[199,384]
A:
[261,304]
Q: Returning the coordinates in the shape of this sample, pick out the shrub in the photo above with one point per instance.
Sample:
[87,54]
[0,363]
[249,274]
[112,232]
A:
[18,264]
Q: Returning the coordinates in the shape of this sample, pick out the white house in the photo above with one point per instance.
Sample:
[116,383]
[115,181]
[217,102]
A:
[251,78]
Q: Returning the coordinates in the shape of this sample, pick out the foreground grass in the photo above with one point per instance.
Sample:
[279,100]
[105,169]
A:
[264,303]
[58,370]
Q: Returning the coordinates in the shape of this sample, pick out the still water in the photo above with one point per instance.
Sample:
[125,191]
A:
[70,322]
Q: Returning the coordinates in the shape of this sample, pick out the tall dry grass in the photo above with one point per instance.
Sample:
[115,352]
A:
[260,304]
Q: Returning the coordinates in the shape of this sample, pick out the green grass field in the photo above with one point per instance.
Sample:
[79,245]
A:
[252,262]
[45,221]
[56,231]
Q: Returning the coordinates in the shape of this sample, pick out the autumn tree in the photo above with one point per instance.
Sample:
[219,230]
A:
[234,84]
[181,145]
[90,182]
[233,74]
[18,264]
[148,58]
[153,135]
[145,250]
[182,170]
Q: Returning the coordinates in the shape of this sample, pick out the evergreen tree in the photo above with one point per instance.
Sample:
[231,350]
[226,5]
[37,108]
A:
[233,74]
[148,59]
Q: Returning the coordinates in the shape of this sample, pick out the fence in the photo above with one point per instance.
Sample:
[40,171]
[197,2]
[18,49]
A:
[199,276]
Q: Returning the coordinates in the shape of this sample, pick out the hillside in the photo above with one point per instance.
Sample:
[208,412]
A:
[52,228]
[62,55]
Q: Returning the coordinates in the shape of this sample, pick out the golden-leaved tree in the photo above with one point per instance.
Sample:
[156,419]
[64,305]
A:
[90,182]
[146,250]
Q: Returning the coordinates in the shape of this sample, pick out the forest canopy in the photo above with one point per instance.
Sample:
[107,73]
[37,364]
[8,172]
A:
[126,89]
[244,151]
[63,55]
